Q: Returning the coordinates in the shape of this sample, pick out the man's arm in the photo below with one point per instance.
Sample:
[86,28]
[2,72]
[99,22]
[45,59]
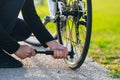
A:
[33,20]
[7,42]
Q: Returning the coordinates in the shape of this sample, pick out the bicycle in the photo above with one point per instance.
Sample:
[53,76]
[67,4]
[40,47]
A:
[73,30]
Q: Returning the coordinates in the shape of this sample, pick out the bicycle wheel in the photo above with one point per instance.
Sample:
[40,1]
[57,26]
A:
[75,31]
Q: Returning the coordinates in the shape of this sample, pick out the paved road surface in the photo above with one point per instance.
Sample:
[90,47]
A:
[43,67]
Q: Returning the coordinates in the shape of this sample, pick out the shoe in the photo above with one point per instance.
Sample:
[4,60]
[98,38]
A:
[7,61]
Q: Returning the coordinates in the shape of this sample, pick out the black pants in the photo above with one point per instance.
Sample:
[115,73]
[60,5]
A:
[20,31]
[15,27]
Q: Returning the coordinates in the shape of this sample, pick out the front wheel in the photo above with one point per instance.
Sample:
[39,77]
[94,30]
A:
[75,31]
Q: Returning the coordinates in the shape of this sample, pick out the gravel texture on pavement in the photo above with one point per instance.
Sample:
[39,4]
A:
[42,67]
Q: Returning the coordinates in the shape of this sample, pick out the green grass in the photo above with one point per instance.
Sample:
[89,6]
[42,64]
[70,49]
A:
[105,40]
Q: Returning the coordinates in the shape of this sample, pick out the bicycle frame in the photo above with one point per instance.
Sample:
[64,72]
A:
[58,24]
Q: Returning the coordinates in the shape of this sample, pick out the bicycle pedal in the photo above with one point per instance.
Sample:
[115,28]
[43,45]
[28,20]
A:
[48,18]
[62,18]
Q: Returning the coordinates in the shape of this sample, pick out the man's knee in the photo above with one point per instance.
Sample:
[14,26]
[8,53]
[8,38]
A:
[21,30]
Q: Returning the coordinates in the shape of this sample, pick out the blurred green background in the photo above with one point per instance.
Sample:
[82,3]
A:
[105,40]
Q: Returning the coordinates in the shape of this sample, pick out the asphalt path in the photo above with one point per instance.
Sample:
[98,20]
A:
[42,67]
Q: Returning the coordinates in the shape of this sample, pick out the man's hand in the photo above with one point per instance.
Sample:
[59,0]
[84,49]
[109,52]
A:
[25,51]
[59,50]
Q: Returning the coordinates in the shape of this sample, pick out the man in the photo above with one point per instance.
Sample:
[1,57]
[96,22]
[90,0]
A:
[13,30]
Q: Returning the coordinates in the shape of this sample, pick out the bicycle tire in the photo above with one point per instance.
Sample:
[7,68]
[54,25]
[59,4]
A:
[80,49]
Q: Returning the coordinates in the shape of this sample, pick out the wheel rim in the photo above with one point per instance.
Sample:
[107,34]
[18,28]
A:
[71,40]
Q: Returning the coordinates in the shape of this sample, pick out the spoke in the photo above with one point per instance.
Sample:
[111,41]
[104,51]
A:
[74,34]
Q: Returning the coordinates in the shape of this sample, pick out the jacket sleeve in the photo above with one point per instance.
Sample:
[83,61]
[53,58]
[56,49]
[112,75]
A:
[7,43]
[34,22]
